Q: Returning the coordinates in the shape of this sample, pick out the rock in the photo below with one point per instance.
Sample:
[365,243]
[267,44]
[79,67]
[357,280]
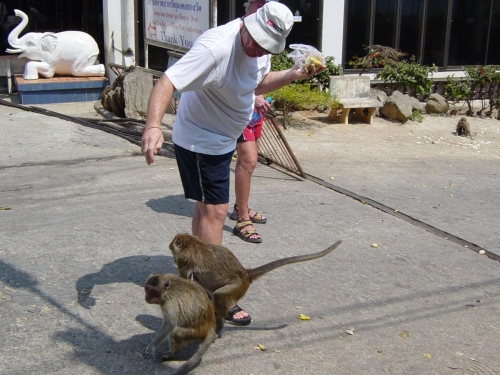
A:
[397,107]
[417,105]
[379,95]
[112,100]
[129,94]
[137,86]
[436,104]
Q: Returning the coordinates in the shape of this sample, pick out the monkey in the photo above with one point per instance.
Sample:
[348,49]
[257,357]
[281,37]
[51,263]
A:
[188,315]
[217,270]
[463,128]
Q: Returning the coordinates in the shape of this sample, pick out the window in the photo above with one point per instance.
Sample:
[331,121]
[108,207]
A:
[411,27]
[469,32]
[492,51]
[435,33]
[385,22]
[357,32]
[448,33]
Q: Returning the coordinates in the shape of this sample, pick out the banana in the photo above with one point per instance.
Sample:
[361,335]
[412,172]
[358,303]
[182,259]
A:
[310,60]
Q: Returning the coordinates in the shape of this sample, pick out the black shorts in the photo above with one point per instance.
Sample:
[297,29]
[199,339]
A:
[205,178]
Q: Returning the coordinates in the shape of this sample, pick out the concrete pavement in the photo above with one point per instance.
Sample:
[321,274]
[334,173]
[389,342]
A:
[89,221]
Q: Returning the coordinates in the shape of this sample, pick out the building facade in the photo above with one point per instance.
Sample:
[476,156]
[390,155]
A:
[447,33]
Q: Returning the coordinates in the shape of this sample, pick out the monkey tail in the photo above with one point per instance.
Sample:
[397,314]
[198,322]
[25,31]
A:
[255,273]
[193,361]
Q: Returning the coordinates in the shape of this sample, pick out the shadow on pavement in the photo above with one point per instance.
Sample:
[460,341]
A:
[172,204]
[118,271]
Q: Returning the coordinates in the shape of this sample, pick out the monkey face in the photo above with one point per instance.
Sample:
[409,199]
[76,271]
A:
[152,295]
[154,289]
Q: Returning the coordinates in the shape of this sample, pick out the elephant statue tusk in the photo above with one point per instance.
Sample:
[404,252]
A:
[8,50]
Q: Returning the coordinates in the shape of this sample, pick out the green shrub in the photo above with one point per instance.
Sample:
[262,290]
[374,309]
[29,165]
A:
[409,73]
[300,96]
[485,77]
[416,116]
[459,90]
[477,78]
[283,62]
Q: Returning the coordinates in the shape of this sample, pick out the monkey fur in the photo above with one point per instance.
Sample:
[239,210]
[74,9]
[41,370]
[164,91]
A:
[217,270]
[187,315]
[463,128]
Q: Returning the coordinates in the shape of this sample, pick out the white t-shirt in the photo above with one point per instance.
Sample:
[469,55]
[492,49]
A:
[217,81]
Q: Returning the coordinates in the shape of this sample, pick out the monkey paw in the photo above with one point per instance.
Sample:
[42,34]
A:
[148,352]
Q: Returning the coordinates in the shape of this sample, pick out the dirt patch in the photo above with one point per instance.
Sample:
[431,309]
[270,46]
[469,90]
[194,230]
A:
[394,138]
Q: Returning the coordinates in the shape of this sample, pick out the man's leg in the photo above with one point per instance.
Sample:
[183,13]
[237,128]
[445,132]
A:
[245,165]
[205,179]
[208,221]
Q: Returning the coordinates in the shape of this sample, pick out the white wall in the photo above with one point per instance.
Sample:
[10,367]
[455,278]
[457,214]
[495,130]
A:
[119,22]
[333,29]
[119,29]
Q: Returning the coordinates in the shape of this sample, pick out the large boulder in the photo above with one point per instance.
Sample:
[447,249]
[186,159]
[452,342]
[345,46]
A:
[137,87]
[436,104]
[129,94]
[397,107]
[379,95]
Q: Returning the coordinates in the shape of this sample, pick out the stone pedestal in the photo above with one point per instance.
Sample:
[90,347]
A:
[59,89]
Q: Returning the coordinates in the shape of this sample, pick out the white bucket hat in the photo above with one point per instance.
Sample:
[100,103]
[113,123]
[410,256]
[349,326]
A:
[270,26]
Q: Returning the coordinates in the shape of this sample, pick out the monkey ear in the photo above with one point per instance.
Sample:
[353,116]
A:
[167,284]
[178,242]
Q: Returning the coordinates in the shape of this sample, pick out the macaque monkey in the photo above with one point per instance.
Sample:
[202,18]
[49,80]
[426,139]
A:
[217,270]
[187,315]
[463,128]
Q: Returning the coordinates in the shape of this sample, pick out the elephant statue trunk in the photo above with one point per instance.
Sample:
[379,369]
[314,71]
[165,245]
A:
[65,53]
[14,34]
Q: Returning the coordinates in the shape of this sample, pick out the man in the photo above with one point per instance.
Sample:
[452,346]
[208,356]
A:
[247,161]
[217,78]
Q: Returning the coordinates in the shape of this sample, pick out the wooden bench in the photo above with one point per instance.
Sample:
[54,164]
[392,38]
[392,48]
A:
[352,92]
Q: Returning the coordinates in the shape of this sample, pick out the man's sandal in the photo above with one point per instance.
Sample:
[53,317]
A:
[229,319]
[256,219]
[245,235]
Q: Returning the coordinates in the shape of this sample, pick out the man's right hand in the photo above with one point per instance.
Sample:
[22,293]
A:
[261,105]
[152,140]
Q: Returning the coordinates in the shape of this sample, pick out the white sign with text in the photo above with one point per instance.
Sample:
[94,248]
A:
[175,24]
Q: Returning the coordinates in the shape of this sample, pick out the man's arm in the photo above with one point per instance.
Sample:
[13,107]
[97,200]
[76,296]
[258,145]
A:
[274,80]
[152,137]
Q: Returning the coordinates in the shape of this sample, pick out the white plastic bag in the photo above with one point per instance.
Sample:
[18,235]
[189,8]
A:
[304,56]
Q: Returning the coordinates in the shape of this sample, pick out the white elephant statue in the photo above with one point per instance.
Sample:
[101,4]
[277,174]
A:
[65,53]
